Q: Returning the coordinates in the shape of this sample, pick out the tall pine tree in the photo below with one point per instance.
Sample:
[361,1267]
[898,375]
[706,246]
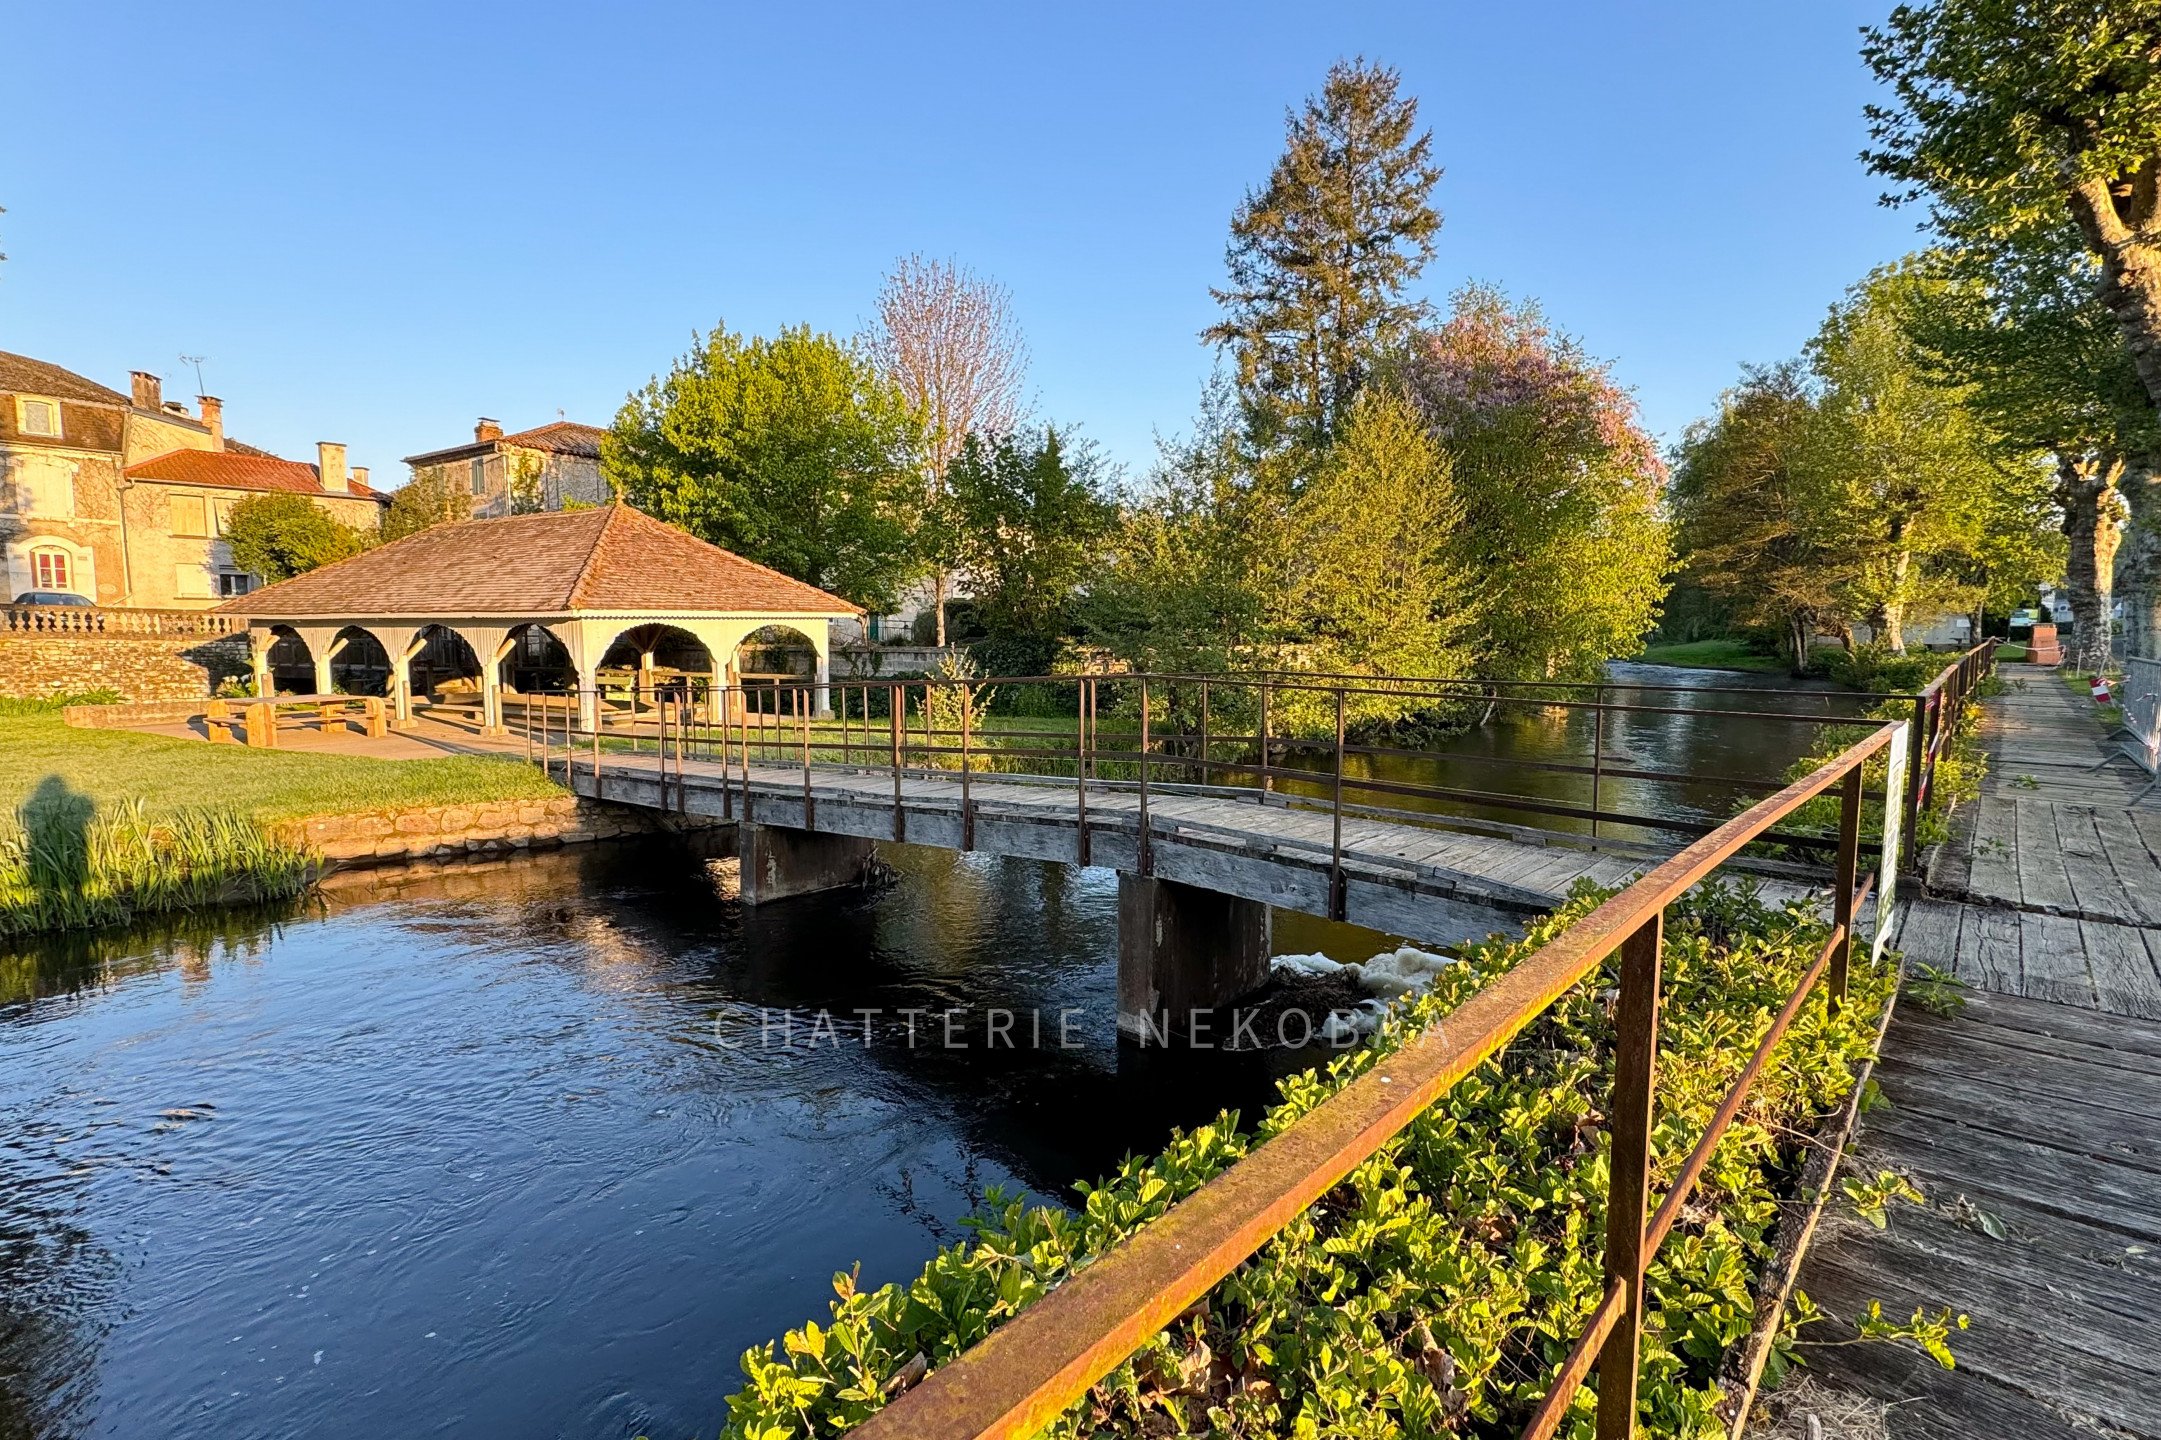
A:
[1319,258]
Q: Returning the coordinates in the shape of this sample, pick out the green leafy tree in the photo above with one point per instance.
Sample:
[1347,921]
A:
[423,502]
[1321,255]
[2016,119]
[1920,491]
[1370,552]
[1748,515]
[280,535]
[2047,370]
[1562,539]
[792,451]
[1030,514]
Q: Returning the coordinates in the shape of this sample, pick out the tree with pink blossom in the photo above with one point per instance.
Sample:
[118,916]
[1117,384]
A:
[1562,540]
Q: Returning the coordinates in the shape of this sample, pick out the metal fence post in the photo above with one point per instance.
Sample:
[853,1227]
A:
[1598,751]
[1849,864]
[1916,751]
[1204,732]
[1080,775]
[810,801]
[1628,1193]
[1335,864]
[596,743]
[1268,781]
[1147,851]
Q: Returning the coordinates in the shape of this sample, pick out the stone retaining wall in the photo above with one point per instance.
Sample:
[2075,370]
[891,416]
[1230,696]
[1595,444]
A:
[139,667]
[491,827]
[132,712]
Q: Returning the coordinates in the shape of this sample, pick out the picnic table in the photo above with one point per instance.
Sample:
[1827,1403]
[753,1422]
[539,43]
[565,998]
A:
[253,720]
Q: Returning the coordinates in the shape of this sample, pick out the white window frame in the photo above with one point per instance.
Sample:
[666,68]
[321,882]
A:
[39,581]
[22,416]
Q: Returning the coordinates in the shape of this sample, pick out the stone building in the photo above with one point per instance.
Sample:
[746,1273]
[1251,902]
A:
[122,499]
[522,473]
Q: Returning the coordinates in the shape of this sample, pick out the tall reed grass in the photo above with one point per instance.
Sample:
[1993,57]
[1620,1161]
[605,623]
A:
[67,864]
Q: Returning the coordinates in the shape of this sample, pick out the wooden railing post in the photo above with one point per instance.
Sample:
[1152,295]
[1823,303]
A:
[1335,861]
[967,763]
[596,743]
[1628,1194]
[1268,781]
[1849,865]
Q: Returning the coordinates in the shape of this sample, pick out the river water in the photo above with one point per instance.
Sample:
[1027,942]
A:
[538,1147]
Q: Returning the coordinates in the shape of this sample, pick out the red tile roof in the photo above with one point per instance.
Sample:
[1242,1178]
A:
[559,437]
[608,558]
[241,469]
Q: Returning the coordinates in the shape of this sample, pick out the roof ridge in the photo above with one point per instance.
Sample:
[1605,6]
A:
[585,566]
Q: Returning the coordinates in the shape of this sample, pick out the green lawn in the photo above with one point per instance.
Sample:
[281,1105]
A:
[1711,655]
[165,773]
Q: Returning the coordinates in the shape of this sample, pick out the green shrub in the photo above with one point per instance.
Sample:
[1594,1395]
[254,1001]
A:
[1436,1289]
[1877,670]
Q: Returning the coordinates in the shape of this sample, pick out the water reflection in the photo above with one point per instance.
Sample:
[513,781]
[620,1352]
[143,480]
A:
[497,1148]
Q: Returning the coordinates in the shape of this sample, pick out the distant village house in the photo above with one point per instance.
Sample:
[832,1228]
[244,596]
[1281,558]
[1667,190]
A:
[522,473]
[122,499]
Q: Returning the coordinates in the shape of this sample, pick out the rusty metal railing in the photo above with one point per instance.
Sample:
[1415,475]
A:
[1032,1368]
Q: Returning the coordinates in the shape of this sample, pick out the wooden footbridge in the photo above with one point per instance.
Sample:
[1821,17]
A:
[1216,799]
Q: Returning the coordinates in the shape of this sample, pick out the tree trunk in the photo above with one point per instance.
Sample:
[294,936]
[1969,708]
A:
[937,601]
[2138,565]
[1891,614]
[2088,572]
[2131,289]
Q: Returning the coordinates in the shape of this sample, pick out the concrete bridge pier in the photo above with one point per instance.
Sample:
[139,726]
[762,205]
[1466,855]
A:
[779,862]
[1182,949]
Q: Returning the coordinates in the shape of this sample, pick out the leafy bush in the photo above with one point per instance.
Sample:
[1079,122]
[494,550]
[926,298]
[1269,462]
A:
[1877,670]
[1436,1289]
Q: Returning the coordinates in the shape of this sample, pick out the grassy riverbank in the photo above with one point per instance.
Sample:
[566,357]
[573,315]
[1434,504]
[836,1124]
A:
[1712,655]
[98,826]
[1437,1289]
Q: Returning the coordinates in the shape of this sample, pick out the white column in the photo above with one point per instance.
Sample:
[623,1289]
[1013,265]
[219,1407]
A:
[259,643]
[824,694]
[588,698]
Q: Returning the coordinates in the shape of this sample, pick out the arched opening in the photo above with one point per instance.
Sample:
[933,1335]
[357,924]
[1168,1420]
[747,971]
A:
[770,663]
[647,662]
[538,663]
[359,665]
[290,662]
[446,670]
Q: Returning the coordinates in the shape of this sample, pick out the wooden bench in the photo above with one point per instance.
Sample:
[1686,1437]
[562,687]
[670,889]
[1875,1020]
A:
[254,720]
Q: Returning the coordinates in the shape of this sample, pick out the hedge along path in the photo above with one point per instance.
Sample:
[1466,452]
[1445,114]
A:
[1341,1324]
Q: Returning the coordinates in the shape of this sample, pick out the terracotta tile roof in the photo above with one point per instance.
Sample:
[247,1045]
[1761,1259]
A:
[608,558]
[560,437]
[242,469]
[21,375]
[563,437]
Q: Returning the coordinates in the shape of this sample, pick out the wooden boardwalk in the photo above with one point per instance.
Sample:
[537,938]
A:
[2030,1116]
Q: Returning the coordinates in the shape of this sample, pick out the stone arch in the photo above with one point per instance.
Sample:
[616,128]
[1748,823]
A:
[359,663]
[539,659]
[757,655]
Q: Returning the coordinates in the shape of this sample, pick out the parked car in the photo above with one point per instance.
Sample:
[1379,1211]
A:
[53,597]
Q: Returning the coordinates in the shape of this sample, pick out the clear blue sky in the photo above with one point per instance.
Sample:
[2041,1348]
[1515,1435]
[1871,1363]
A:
[378,221]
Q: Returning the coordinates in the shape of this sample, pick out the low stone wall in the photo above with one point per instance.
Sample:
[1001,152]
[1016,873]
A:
[493,827]
[138,667]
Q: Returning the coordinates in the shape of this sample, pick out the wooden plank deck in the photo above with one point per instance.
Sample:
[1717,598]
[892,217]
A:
[2033,1110]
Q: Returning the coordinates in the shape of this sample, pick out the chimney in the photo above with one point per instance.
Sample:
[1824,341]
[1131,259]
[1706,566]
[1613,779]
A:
[214,417]
[145,389]
[330,465]
[487,430]
[360,476]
